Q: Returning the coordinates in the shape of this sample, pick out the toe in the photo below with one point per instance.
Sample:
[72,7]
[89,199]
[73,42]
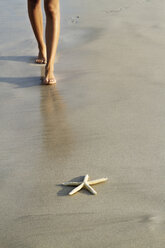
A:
[40,61]
[50,81]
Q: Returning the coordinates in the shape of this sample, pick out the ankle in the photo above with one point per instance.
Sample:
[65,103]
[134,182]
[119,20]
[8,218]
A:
[49,68]
[42,46]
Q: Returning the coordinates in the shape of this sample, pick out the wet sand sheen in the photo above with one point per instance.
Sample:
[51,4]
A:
[105,118]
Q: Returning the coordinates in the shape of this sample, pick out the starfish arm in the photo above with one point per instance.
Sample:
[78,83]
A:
[101,180]
[71,183]
[86,179]
[77,189]
[90,189]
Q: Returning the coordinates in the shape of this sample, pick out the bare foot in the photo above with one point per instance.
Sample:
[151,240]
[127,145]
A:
[49,77]
[41,56]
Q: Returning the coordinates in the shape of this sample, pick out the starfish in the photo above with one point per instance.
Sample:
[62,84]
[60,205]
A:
[84,184]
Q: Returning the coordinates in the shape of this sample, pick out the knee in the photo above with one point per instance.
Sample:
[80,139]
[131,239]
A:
[34,3]
[51,10]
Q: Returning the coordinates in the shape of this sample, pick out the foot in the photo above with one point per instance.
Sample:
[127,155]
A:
[49,77]
[41,56]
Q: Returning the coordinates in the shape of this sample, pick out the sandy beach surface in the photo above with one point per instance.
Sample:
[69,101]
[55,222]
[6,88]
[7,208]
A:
[105,117]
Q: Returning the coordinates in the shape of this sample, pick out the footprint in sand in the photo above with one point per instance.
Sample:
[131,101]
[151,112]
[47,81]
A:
[73,20]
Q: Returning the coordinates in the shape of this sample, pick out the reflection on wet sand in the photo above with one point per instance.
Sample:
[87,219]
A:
[56,133]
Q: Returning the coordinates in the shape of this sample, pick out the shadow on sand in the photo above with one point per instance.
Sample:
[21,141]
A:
[22,82]
[25,59]
[25,82]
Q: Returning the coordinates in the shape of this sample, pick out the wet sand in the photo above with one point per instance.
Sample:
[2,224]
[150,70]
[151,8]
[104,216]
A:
[105,117]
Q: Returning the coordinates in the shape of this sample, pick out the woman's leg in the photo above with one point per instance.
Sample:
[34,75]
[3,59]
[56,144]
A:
[52,10]
[35,16]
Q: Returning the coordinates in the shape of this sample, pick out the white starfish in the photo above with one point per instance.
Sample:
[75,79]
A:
[85,184]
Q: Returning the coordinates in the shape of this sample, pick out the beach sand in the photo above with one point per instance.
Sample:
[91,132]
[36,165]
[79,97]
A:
[105,118]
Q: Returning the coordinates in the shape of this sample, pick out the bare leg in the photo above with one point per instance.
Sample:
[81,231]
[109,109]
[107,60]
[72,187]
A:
[35,16]
[52,10]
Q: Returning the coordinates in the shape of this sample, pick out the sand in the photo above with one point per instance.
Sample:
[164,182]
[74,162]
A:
[105,117]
